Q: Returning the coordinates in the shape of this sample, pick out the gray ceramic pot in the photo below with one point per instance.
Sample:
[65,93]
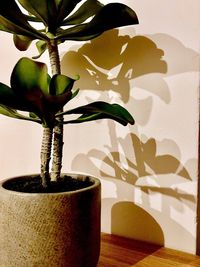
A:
[50,230]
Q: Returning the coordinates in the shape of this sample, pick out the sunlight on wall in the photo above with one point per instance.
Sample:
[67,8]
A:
[152,68]
[149,170]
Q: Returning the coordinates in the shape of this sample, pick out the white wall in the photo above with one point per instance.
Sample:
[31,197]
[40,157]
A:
[149,170]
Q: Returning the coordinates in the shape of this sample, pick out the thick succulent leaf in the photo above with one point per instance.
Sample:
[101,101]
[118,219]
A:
[50,12]
[75,93]
[8,26]
[10,99]
[32,18]
[122,15]
[9,112]
[30,82]
[33,115]
[30,92]
[11,29]
[30,77]
[22,42]
[41,47]
[62,36]
[44,10]
[6,111]
[14,21]
[7,96]
[24,93]
[86,10]
[101,110]
[54,103]
[60,84]
[64,8]
[10,10]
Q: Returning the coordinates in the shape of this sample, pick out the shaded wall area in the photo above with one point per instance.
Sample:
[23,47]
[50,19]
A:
[149,170]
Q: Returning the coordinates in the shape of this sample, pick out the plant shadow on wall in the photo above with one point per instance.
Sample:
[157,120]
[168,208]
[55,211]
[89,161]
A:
[132,160]
[112,61]
[154,176]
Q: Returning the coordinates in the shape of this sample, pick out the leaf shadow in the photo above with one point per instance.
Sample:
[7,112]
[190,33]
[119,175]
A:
[123,63]
[144,161]
[112,61]
[120,63]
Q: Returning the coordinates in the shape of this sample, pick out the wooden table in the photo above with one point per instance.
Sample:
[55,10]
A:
[122,252]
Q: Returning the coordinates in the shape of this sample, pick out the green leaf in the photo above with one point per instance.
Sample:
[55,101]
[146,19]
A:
[45,10]
[122,15]
[64,8]
[14,21]
[60,84]
[30,82]
[55,103]
[86,10]
[29,91]
[6,111]
[101,110]
[22,42]
[62,36]
[75,93]
[9,112]
[10,10]
[33,115]
[41,47]
[9,98]
[32,18]
[50,12]
[30,78]
[8,26]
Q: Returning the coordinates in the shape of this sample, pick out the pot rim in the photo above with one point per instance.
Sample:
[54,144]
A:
[96,183]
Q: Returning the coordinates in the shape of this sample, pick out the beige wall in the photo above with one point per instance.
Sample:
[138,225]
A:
[149,170]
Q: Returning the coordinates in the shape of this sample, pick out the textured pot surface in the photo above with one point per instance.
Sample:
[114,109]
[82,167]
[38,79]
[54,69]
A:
[50,230]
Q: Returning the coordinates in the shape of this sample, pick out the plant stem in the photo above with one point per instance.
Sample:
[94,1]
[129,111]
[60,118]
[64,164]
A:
[45,156]
[54,57]
[58,129]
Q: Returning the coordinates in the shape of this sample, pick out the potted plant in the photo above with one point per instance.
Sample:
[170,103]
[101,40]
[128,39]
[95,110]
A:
[53,219]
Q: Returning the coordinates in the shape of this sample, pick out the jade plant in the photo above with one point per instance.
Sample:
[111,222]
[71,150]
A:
[49,23]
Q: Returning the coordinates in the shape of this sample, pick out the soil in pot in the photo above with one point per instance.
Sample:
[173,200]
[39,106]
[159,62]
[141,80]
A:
[33,185]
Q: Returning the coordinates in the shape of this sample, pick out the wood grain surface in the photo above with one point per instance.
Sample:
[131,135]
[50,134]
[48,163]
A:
[122,252]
